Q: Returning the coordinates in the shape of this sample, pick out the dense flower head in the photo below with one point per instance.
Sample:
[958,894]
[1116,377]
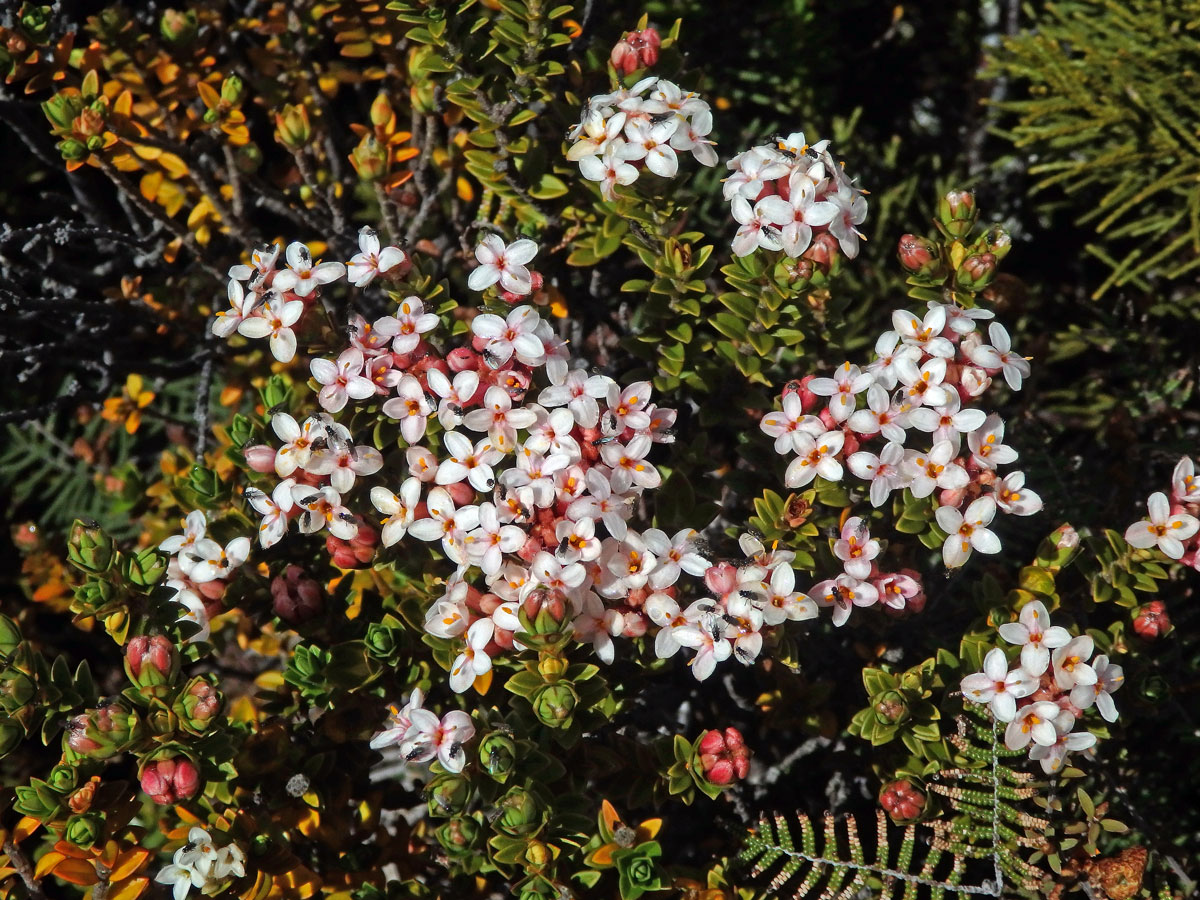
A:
[916,392]
[645,127]
[1042,698]
[786,193]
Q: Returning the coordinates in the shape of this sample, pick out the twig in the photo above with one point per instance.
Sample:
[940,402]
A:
[25,870]
[429,194]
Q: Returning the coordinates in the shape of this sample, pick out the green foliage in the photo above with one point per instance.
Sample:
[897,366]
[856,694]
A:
[1111,121]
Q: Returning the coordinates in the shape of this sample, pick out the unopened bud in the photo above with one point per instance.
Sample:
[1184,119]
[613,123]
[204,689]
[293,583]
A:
[178,28]
[355,553]
[296,598]
[151,661]
[294,129]
[957,213]
[369,159]
[920,256]
[976,272]
[902,801]
[168,781]
[1152,620]
[624,58]
[381,111]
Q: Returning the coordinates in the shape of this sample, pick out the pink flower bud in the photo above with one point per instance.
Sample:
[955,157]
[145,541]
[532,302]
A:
[168,781]
[972,382]
[156,656]
[461,359]
[902,801]
[461,493]
[1068,538]
[77,738]
[724,756]
[260,457]
[822,251]
[355,553]
[624,58]
[734,739]
[917,255]
[720,772]
[713,742]
[295,597]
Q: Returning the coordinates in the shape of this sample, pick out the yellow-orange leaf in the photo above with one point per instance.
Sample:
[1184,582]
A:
[27,826]
[128,864]
[76,871]
[130,890]
[47,863]
[463,188]
[209,95]
[174,166]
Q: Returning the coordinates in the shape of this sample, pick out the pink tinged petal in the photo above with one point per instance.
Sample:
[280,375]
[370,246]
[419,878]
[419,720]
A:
[1014,632]
[985,541]
[520,252]
[390,257]
[995,665]
[323,370]
[283,345]
[1105,705]
[516,279]
[487,325]
[1056,636]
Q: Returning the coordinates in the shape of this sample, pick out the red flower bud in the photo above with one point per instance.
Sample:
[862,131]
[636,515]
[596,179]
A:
[917,255]
[1152,620]
[624,57]
[355,553]
[713,742]
[902,801]
[724,756]
[460,359]
[150,660]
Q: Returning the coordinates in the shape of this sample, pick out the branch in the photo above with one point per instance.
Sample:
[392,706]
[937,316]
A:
[21,863]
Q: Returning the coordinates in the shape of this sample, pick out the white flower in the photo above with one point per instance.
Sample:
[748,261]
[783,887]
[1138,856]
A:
[240,305]
[298,441]
[847,382]
[411,322]
[410,407]
[751,170]
[487,543]
[998,687]
[471,462]
[428,737]
[842,594]
[807,212]
[888,350]
[856,548]
[760,224]
[784,602]
[1053,756]
[710,650]
[274,509]
[371,261]
[262,260]
[1000,356]
[851,211]
[301,277]
[193,609]
[341,380]
[578,392]
[967,531]
[924,385]
[674,554]
[1184,484]
[473,661]
[651,143]
[398,722]
[446,523]
[1109,677]
[924,333]
[276,319]
[947,423]
[881,415]
[610,170]
[504,263]
[1034,722]
[193,530]
[1161,529]
[499,419]
[596,624]
[210,561]
[508,337]
[400,509]
[1070,665]
[883,471]
[987,449]
[817,457]
[456,395]
[784,425]
[343,464]
[1013,497]
[323,507]
[934,469]
[1036,637]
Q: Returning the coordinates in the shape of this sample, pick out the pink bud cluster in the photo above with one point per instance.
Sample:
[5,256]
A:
[925,370]
[168,781]
[1172,524]
[265,302]
[792,196]
[643,127]
[1043,697]
[724,756]
[635,50]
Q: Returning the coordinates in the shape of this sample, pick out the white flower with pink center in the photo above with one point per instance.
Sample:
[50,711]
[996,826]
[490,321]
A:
[411,407]
[341,380]
[399,509]
[817,456]
[274,509]
[371,260]
[847,382]
[998,687]
[303,276]
[884,472]
[967,531]
[275,320]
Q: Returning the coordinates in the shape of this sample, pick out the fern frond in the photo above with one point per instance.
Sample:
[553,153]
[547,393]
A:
[834,864]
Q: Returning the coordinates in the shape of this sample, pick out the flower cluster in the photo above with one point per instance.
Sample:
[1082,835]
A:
[645,126]
[201,864]
[1171,525]
[199,569]
[1056,680]
[925,370]
[422,736]
[265,302]
[791,195]
[862,583]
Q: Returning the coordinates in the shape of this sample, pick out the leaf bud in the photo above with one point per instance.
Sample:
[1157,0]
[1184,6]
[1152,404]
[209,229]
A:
[198,704]
[90,549]
[448,795]
[554,704]
[178,28]
[294,130]
[84,830]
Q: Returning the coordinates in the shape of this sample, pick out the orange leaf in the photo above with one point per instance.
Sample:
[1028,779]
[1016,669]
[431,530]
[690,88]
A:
[209,95]
[25,828]
[76,871]
[149,185]
[48,862]
[128,863]
[130,890]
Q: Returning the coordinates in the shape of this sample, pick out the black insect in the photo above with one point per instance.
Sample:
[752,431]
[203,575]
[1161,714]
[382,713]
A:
[277,409]
[491,359]
[346,516]
[607,439]
[743,654]
[491,483]
[563,545]
[413,753]
[455,749]
[455,408]
[838,597]
[749,595]
[659,118]
[309,500]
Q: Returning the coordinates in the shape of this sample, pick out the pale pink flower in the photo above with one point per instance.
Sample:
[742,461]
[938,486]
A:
[1034,722]
[499,419]
[411,322]
[760,224]
[446,523]
[1036,637]
[986,442]
[508,337]
[503,263]
[934,469]
[302,277]
[275,320]
[924,333]
[1069,663]
[341,380]
[411,407]
[1109,678]
[1013,497]
[842,594]
[371,261]
[817,456]
[344,463]
[847,382]
[1000,356]
[884,471]
[399,509]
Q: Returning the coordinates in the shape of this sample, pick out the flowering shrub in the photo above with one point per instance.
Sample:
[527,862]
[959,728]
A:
[460,560]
